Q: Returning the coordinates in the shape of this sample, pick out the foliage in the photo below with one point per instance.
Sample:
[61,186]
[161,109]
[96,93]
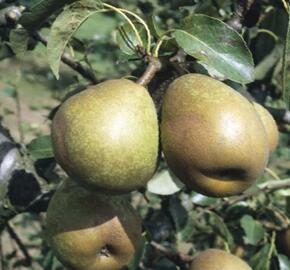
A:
[95,38]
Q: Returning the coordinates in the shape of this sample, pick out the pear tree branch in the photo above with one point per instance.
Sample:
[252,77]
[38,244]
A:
[76,66]
[172,255]
[267,187]
[12,233]
[154,66]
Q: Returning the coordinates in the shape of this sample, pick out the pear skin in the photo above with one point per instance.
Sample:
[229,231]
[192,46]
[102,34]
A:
[89,231]
[216,259]
[213,140]
[270,126]
[106,137]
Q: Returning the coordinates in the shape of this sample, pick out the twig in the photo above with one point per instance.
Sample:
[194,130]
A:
[19,120]
[78,67]
[170,254]
[267,187]
[18,241]
[153,67]
[243,7]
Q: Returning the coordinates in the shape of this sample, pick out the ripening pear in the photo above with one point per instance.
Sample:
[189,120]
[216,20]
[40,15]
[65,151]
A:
[216,259]
[89,231]
[212,137]
[270,126]
[106,137]
[283,242]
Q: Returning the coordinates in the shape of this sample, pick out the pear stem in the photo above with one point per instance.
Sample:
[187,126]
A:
[153,67]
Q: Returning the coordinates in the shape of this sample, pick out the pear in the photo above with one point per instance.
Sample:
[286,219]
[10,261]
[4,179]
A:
[283,242]
[216,259]
[89,231]
[213,140]
[106,137]
[270,126]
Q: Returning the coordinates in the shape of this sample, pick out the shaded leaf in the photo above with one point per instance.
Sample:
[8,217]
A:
[19,38]
[286,57]
[63,28]
[178,213]
[138,255]
[218,46]
[220,227]
[261,260]
[254,231]
[127,40]
[41,147]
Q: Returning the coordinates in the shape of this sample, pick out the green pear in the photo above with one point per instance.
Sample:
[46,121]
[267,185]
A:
[216,259]
[213,140]
[106,137]
[89,231]
[270,126]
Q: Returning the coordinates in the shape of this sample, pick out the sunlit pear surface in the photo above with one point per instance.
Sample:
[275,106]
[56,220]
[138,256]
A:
[212,137]
[106,137]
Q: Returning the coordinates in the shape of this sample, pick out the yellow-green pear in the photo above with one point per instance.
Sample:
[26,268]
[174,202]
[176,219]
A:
[89,231]
[213,140]
[106,137]
[216,259]
[270,126]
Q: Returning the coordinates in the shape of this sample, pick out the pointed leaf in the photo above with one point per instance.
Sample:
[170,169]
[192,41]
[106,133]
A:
[127,40]
[253,229]
[41,147]
[19,38]
[218,46]
[65,25]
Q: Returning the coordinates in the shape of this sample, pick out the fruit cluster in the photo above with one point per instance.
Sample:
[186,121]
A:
[106,138]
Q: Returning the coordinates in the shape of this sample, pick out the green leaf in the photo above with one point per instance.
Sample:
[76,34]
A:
[154,24]
[220,227]
[178,213]
[5,51]
[41,147]
[10,91]
[253,229]
[19,38]
[262,69]
[286,57]
[261,260]
[164,183]
[138,255]
[63,28]
[127,40]
[216,45]
[284,263]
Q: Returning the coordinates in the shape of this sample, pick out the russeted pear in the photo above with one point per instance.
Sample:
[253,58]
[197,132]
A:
[89,231]
[283,242]
[106,137]
[213,140]
[216,259]
[270,126]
